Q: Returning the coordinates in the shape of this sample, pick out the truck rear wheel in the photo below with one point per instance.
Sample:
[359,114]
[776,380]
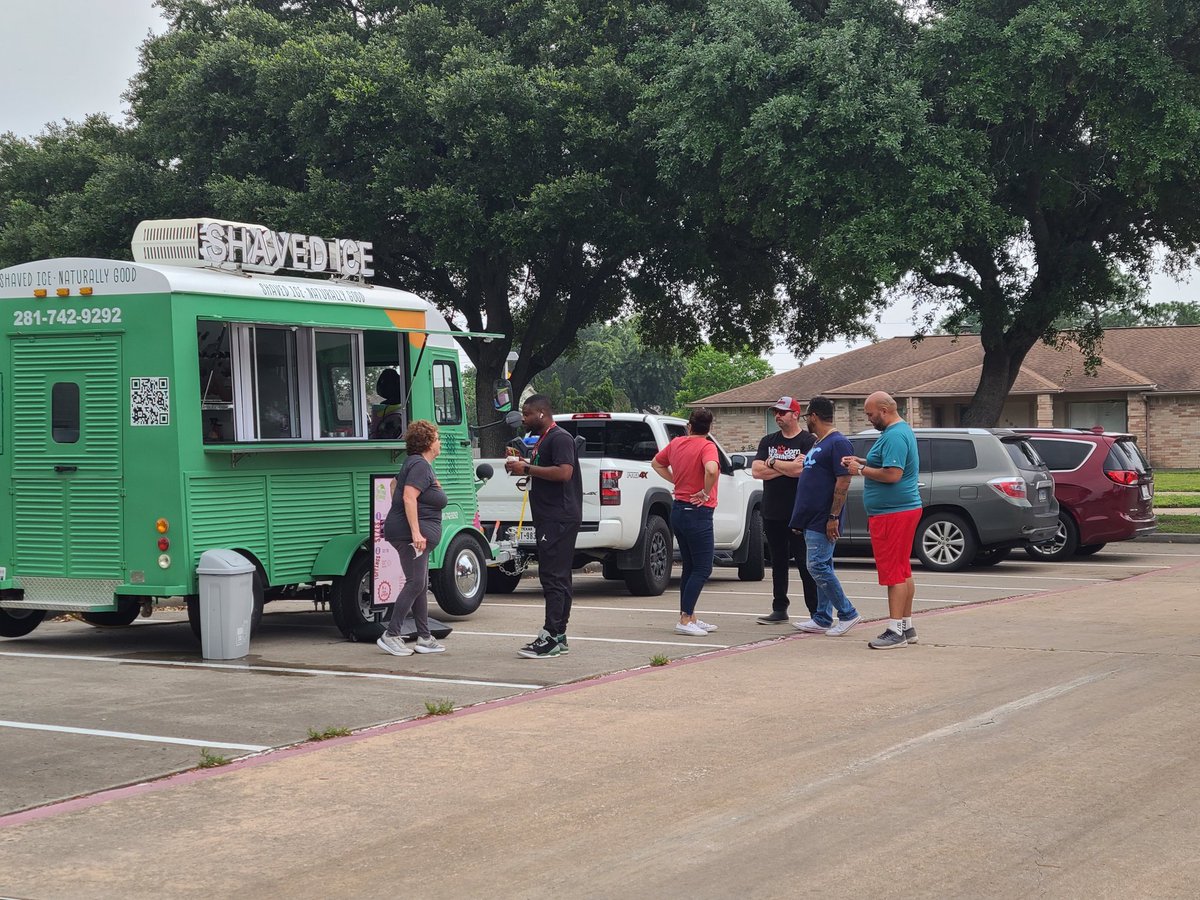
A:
[655,573]
[19,622]
[458,586]
[754,566]
[351,602]
[127,610]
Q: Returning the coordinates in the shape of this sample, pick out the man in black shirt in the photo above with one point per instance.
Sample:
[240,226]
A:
[779,464]
[556,505]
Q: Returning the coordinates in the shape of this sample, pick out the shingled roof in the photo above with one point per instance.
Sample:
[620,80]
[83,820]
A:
[1163,359]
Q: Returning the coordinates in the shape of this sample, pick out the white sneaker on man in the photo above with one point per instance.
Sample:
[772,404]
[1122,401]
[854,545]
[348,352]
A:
[808,626]
[692,629]
[843,625]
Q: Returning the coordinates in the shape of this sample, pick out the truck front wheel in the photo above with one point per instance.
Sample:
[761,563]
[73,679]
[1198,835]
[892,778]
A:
[752,569]
[459,584]
[655,573]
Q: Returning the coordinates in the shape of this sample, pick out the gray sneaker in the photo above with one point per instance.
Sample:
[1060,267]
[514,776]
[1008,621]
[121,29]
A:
[429,645]
[391,643]
[888,640]
[910,635]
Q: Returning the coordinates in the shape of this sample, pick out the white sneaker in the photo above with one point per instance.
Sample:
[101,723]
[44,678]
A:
[707,628]
[843,625]
[392,644]
[808,626]
[429,645]
[691,628]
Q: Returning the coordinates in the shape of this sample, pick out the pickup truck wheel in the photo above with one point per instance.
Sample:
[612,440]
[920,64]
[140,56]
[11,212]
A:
[754,566]
[655,574]
[19,622]
[945,542]
[193,607]
[500,581]
[1061,546]
[458,586]
[127,610]
[351,600]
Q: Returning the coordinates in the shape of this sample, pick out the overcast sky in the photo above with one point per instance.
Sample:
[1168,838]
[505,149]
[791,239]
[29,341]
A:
[64,59]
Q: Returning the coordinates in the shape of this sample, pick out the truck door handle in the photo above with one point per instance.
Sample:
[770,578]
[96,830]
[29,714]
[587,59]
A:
[66,468]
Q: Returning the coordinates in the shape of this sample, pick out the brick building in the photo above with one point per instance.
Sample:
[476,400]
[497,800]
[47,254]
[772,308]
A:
[1148,384]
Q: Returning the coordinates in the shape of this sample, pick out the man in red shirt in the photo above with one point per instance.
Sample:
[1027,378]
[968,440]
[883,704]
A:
[690,463]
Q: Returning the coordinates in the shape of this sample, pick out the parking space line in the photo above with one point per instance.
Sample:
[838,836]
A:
[290,670]
[575,638]
[131,736]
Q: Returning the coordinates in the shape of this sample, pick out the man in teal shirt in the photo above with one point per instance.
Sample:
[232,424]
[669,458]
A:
[893,501]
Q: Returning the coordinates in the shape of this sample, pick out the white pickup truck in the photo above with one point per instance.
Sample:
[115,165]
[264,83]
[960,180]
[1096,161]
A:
[626,506]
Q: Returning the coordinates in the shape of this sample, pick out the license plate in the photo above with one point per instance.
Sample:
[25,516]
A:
[524,536]
[1043,495]
[1145,491]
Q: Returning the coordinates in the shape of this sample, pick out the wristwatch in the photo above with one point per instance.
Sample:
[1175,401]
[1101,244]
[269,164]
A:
[771,463]
[833,516]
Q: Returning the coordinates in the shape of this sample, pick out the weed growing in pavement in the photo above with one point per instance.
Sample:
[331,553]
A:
[439,707]
[330,732]
[210,760]
[659,660]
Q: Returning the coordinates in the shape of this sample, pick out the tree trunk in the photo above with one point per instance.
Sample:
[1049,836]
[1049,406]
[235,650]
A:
[493,433]
[1001,365]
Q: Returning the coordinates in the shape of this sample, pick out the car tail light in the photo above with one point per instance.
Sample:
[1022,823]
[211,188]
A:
[1009,488]
[610,487]
[1122,476]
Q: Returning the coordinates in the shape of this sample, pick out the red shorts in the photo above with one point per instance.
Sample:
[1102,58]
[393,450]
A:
[891,542]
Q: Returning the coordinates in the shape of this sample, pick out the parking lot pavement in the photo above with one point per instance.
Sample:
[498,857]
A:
[1038,745]
[88,709]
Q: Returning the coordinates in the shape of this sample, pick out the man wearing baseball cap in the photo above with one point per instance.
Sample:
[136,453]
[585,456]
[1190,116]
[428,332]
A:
[778,464]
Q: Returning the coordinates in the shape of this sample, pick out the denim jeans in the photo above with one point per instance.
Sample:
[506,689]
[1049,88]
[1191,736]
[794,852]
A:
[830,595]
[693,528]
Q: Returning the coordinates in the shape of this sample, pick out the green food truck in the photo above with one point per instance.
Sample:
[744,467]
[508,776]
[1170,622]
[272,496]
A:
[192,400]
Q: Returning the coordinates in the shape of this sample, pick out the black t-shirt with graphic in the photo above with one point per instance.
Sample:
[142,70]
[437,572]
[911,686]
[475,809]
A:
[556,501]
[779,494]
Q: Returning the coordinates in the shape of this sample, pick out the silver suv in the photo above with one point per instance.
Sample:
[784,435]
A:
[984,491]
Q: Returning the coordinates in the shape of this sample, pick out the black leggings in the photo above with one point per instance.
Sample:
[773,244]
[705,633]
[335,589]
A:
[787,547]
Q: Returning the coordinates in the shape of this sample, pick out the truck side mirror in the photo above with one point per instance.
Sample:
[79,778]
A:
[513,420]
[503,395]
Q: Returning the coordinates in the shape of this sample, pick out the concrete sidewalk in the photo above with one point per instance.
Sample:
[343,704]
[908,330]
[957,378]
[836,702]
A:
[1044,745]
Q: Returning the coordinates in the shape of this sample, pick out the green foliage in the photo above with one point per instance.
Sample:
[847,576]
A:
[1177,480]
[658,659]
[210,760]
[332,732]
[439,707]
[711,371]
[1174,524]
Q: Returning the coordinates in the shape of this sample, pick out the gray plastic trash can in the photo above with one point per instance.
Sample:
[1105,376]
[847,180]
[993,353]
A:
[226,604]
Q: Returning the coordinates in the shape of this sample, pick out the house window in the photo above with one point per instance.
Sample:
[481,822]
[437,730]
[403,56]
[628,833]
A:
[1108,414]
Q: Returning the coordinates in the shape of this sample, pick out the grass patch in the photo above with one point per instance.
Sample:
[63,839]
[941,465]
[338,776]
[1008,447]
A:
[1178,525]
[1177,501]
[210,760]
[333,731]
[659,660]
[439,707]
[1177,480]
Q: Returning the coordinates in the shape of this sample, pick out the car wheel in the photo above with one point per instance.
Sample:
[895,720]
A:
[655,573]
[459,585]
[1089,549]
[945,542]
[754,566]
[1061,546]
[991,557]
[19,622]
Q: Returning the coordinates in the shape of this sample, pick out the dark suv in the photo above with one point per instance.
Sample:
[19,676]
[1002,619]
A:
[1104,486]
[984,491]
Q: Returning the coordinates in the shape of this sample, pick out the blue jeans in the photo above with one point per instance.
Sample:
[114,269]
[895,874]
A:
[830,595]
[693,529]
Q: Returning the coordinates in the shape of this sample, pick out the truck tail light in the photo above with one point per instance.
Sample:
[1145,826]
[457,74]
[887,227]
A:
[610,487]
[1009,488]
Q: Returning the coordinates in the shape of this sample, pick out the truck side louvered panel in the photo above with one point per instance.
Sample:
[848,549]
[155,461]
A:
[40,527]
[310,510]
[456,458]
[228,511]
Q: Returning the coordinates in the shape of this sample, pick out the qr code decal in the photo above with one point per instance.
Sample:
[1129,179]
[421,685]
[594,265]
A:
[149,401]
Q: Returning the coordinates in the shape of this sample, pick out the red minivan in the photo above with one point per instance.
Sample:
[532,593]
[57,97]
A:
[1104,487]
